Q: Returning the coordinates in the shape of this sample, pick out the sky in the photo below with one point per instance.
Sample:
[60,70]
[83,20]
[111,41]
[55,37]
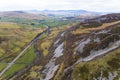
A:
[90,5]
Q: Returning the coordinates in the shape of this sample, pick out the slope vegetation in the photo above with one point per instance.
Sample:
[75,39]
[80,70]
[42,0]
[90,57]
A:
[89,50]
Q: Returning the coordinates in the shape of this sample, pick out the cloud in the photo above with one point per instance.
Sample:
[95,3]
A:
[91,5]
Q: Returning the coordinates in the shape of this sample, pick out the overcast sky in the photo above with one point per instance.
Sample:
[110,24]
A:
[91,5]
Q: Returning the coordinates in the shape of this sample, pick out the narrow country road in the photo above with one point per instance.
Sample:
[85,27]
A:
[21,53]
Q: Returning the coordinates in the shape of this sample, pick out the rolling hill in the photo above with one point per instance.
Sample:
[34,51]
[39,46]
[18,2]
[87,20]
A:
[21,14]
[89,50]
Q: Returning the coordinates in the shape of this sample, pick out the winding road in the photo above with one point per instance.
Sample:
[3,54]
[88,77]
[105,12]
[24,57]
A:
[21,53]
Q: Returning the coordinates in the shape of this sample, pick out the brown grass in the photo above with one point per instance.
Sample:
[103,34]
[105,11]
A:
[82,30]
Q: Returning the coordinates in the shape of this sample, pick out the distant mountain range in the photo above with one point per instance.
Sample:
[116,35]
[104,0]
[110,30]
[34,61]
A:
[66,12]
[41,14]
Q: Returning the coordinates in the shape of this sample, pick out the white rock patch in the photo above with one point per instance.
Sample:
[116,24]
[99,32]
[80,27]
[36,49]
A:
[112,76]
[103,31]
[97,40]
[57,42]
[58,51]
[94,54]
[62,34]
[101,77]
[51,68]
[82,45]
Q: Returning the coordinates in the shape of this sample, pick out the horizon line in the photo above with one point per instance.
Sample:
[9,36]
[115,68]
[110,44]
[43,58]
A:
[60,10]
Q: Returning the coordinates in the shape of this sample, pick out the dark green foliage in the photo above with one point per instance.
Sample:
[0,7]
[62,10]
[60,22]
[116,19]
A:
[92,25]
[101,70]
[97,74]
[84,72]
[105,73]
[107,40]
[84,69]
[102,35]
[114,63]
[116,29]
[33,24]
[88,47]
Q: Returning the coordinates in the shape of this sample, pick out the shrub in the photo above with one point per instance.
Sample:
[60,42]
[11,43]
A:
[115,30]
[92,24]
[114,63]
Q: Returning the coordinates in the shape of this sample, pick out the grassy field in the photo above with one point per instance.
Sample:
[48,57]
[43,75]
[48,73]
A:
[55,22]
[25,59]
[8,25]
[2,66]
[13,39]
[22,21]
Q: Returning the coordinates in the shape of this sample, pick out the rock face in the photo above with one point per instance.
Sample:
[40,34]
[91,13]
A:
[98,42]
